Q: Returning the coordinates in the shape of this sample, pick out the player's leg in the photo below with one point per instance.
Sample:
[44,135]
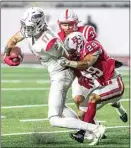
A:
[57,97]
[69,112]
[79,93]
[120,110]
[116,103]
[113,89]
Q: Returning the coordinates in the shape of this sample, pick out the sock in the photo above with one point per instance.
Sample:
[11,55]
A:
[120,110]
[89,116]
[90,113]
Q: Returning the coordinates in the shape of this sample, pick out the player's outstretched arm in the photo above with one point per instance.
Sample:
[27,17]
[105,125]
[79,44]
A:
[83,64]
[17,37]
[9,59]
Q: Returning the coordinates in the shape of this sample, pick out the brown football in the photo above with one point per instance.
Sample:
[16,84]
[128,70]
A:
[15,52]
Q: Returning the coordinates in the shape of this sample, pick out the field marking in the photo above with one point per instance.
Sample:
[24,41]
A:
[25,76]
[25,89]
[3,117]
[32,120]
[42,119]
[24,106]
[41,81]
[32,88]
[65,131]
[41,105]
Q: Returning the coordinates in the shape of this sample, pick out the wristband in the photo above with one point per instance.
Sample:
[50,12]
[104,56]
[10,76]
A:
[73,64]
[7,50]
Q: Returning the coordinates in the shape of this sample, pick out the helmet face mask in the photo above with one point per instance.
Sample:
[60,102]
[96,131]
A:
[28,31]
[33,22]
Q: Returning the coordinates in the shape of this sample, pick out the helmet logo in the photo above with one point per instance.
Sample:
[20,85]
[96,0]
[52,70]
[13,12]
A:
[77,40]
[35,18]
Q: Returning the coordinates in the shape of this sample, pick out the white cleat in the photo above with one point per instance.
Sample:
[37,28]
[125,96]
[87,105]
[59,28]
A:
[89,136]
[98,134]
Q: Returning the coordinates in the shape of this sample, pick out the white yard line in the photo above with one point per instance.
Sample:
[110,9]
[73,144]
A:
[20,75]
[43,119]
[33,120]
[40,105]
[25,89]
[3,117]
[24,106]
[41,81]
[28,133]
[26,81]
[32,88]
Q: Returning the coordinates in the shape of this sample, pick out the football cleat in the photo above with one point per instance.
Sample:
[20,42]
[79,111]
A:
[124,117]
[78,136]
[90,137]
[104,136]
[98,134]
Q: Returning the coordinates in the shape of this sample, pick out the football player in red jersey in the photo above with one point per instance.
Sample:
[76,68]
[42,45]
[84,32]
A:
[94,60]
[68,23]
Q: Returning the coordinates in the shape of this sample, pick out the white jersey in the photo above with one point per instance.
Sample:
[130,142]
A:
[48,48]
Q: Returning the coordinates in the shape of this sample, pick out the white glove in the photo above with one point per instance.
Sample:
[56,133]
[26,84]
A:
[63,61]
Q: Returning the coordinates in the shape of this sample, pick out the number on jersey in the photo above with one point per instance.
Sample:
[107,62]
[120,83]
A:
[95,72]
[90,46]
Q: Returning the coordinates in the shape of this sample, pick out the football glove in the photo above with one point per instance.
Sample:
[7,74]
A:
[9,61]
[86,82]
[63,61]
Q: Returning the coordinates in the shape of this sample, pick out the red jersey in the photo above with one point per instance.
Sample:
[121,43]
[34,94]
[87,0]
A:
[103,68]
[88,32]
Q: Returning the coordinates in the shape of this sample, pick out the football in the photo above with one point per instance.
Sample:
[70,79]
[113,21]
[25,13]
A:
[16,51]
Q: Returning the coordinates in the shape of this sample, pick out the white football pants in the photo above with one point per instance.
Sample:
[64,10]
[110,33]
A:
[60,83]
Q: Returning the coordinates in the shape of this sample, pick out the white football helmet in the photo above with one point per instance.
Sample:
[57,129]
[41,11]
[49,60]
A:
[74,42]
[68,16]
[32,22]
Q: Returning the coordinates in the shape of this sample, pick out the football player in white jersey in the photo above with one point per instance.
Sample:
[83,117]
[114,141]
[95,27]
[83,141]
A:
[48,48]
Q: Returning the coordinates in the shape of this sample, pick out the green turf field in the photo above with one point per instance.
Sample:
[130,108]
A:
[24,97]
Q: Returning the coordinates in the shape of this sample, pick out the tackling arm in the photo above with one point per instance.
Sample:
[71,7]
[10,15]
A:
[86,62]
[83,64]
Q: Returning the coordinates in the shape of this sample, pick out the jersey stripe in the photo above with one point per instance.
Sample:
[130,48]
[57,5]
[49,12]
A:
[113,93]
[50,44]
